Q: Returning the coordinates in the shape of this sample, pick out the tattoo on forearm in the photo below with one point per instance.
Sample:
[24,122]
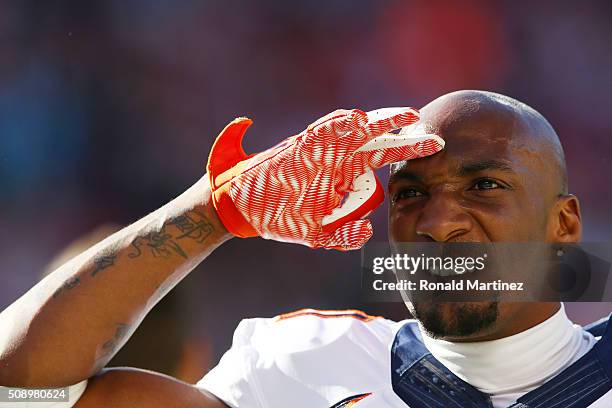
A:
[160,244]
[192,225]
[103,262]
[120,333]
[69,284]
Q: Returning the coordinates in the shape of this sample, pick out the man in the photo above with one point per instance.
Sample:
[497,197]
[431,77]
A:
[500,177]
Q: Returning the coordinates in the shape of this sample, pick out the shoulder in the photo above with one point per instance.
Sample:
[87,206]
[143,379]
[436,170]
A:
[310,354]
[603,348]
[599,327]
[313,330]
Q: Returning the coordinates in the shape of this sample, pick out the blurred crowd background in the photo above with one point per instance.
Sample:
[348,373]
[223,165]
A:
[108,110]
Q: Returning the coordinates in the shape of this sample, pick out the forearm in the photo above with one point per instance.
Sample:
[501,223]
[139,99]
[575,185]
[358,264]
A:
[70,324]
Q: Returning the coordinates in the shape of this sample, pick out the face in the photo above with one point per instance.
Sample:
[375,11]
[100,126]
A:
[490,183]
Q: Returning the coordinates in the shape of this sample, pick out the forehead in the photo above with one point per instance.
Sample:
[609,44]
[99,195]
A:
[473,133]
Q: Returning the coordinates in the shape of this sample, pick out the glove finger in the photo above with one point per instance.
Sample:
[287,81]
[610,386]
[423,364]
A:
[351,235]
[412,143]
[385,120]
[380,122]
[386,149]
[366,194]
[335,125]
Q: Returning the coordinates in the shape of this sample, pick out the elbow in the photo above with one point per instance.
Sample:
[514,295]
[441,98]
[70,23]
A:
[22,372]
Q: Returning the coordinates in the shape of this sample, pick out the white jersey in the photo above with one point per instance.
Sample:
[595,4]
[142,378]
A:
[341,359]
[306,359]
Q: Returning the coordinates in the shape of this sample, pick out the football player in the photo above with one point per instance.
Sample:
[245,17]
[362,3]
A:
[470,167]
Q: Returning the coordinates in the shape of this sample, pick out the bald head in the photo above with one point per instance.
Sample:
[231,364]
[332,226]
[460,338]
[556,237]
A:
[526,129]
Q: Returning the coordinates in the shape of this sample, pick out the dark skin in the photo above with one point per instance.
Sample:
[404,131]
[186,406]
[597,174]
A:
[501,177]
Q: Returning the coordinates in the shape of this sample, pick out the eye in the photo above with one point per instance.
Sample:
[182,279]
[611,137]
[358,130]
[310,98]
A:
[407,193]
[486,184]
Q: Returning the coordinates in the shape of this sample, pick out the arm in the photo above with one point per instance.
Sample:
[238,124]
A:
[131,388]
[68,326]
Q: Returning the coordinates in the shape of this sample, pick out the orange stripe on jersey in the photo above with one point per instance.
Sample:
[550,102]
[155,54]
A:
[350,401]
[328,314]
[356,400]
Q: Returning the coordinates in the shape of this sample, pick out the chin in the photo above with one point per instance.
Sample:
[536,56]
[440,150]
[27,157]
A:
[455,320]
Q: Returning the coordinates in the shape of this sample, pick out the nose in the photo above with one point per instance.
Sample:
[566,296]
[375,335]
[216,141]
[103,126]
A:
[442,219]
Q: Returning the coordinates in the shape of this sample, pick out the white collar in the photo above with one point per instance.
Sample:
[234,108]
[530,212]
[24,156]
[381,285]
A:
[518,363]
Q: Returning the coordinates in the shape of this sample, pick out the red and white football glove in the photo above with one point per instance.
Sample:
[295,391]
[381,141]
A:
[313,188]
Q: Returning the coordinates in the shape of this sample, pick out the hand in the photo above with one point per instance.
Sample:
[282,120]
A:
[313,188]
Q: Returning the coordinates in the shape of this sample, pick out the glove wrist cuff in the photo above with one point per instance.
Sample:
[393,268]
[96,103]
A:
[229,215]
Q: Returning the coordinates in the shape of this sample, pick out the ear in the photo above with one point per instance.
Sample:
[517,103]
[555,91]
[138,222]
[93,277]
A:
[566,222]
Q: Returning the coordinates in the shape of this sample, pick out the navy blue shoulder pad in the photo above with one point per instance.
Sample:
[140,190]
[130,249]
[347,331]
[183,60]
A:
[421,381]
[583,382]
[599,327]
